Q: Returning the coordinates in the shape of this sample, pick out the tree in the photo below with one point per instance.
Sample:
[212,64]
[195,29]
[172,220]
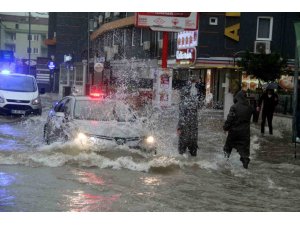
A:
[267,67]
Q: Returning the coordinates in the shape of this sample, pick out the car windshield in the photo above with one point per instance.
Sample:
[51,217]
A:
[17,83]
[103,111]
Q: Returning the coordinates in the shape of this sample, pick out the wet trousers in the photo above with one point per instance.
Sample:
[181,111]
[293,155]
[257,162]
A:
[269,116]
[191,145]
[240,143]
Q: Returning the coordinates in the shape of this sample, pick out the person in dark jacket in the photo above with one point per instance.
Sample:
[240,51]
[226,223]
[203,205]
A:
[201,91]
[269,100]
[238,127]
[187,127]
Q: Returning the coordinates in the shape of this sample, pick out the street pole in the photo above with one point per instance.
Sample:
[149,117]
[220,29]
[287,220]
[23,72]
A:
[29,40]
[295,102]
[87,80]
[164,55]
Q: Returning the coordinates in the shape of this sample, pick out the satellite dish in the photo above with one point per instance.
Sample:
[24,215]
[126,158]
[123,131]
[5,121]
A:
[98,67]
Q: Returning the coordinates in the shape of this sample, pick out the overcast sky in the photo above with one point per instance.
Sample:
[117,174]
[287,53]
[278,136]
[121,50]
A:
[34,14]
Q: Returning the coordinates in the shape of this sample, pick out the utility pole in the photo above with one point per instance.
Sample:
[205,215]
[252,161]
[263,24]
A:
[29,41]
[88,46]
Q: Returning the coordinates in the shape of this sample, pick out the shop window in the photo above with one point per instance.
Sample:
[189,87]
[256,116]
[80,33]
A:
[132,36]
[141,37]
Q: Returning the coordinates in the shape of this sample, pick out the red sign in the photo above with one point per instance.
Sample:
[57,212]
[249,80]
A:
[186,56]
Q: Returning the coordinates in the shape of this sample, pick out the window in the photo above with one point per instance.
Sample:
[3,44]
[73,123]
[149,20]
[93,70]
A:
[173,44]
[35,51]
[35,37]
[17,26]
[213,21]
[113,38]
[264,28]
[132,36]
[141,37]
[124,38]
[13,36]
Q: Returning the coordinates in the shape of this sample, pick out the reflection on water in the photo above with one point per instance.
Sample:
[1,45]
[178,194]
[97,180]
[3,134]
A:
[91,178]
[151,181]
[85,202]
[6,198]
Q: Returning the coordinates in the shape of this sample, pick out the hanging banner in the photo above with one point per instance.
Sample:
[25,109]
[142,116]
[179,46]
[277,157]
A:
[187,39]
[162,88]
[296,111]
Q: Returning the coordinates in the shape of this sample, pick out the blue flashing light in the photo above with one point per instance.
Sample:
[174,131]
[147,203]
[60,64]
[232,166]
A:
[51,65]
[5,72]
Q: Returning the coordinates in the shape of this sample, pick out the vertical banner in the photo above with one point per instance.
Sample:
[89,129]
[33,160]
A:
[162,88]
[296,111]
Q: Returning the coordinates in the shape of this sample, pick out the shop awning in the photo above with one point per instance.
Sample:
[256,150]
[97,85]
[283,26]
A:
[113,25]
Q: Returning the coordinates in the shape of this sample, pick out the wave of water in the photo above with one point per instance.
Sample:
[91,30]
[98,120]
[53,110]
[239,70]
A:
[29,149]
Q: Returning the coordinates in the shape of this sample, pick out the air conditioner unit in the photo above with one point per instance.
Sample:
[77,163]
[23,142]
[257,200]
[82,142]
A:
[106,48]
[160,43]
[100,19]
[146,45]
[115,49]
[262,47]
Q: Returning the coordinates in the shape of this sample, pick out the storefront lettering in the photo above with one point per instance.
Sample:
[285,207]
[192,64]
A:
[233,31]
[183,55]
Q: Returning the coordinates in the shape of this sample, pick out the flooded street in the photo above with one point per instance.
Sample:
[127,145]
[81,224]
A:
[35,177]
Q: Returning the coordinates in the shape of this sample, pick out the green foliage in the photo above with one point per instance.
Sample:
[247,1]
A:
[267,67]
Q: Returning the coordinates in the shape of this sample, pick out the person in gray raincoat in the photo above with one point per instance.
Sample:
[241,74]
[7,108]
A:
[238,127]
[187,127]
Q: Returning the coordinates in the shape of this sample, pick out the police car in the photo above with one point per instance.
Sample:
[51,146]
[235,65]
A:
[92,119]
[19,94]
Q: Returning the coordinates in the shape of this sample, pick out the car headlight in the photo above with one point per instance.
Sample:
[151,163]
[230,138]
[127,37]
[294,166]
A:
[1,99]
[82,137]
[36,101]
[150,140]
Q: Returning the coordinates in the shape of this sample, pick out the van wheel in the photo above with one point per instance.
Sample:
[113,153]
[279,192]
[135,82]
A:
[38,112]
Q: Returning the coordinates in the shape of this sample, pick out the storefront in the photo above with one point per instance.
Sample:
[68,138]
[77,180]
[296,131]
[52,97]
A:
[213,73]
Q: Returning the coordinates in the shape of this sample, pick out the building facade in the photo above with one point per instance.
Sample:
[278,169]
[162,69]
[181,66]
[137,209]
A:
[222,38]
[15,35]
[131,54]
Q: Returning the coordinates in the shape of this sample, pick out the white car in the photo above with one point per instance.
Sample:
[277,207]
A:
[19,94]
[89,119]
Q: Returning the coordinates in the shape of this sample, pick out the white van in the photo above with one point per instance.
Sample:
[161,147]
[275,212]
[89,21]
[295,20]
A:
[19,94]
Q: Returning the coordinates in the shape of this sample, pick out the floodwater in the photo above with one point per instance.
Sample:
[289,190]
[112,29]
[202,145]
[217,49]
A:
[35,177]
